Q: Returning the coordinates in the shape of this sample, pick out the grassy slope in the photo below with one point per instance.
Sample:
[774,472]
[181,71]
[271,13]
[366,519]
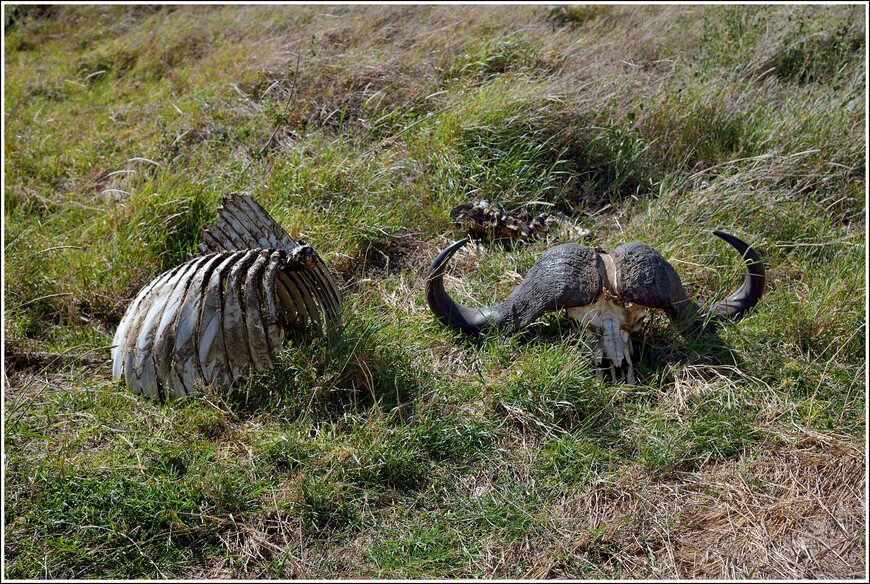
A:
[399,449]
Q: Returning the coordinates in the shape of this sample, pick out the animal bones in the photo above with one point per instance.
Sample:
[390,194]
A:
[608,295]
[483,219]
[213,318]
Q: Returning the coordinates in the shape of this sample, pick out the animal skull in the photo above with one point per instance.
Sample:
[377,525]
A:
[608,294]
[610,324]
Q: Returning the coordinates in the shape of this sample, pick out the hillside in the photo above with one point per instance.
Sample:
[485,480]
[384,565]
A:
[398,448]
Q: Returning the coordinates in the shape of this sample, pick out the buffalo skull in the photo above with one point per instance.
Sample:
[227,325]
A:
[609,294]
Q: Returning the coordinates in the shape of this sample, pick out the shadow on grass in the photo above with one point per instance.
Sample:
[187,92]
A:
[664,347]
[354,368]
[657,349]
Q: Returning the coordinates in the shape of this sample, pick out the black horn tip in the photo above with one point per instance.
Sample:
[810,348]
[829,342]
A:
[442,305]
[457,244]
[436,268]
[752,289]
[749,254]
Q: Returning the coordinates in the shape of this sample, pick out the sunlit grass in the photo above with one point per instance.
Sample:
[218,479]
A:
[396,448]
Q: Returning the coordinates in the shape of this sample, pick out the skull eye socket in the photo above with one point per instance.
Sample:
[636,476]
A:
[608,324]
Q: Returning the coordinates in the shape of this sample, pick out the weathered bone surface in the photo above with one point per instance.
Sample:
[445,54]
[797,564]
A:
[611,324]
[219,315]
[608,294]
[483,219]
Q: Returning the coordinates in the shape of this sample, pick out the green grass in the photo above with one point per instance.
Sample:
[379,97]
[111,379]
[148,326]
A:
[396,448]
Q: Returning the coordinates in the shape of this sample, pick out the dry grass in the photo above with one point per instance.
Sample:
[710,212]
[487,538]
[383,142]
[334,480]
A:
[796,511]
[403,450]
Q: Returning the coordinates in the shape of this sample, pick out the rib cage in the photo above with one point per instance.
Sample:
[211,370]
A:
[220,314]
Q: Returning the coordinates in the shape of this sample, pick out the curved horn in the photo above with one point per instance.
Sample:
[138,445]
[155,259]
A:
[447,310]
[646,278]
[749,293]
[565,276]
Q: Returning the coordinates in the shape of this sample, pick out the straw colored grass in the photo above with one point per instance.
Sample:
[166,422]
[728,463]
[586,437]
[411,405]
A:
[399,449]
[795,511]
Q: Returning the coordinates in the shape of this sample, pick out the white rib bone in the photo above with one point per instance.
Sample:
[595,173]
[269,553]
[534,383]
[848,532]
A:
[258,343]
[215,317]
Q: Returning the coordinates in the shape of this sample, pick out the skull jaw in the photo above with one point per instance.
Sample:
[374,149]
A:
[610,323]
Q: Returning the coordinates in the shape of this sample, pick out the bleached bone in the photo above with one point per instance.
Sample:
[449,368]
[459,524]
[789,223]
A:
[224,313]
[611,325]
[608,294]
